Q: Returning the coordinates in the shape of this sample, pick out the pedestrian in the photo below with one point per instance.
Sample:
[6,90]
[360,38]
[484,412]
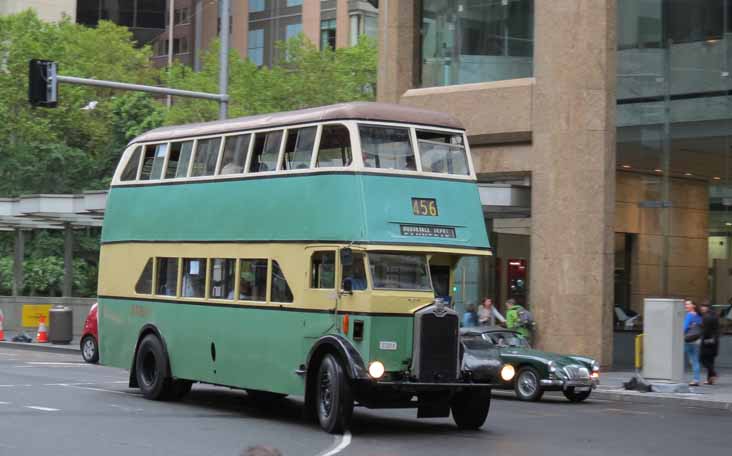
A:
[488,314]
[692,339]
[519,319]
[470,317]
[709,341]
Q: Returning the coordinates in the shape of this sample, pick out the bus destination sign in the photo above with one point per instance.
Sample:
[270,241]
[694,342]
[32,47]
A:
[428,231]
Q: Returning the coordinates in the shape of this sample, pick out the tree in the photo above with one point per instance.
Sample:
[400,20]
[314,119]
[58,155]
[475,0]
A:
[305,77]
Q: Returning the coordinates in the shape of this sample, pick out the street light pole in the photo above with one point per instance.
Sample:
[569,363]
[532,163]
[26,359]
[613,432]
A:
[225,11]
[171,24]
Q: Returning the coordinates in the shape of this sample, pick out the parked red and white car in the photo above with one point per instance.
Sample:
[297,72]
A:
[90,337]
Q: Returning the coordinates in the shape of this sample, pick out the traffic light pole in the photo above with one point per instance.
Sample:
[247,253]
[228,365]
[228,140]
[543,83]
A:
[221,98]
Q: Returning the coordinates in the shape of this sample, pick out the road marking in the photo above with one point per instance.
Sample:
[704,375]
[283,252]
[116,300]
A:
[51,363]
[101,389]
[7,386]
[4,403]
[43,409]
[340,444]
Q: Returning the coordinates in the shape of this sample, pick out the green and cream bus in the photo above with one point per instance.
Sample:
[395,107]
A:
[296,254]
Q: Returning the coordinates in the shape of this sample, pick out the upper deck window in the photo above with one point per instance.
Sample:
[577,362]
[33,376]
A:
[235,154]
[130,171]
[179,159]
[152,164]
[335,147]
[207,154]
[266,150]
[299,148]
[442,152]
[387,147]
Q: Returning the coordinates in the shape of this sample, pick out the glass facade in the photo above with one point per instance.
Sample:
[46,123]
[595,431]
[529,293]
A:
[476,41]
[674,150]
[145,18]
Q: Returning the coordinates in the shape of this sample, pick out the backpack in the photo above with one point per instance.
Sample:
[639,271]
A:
[525,319]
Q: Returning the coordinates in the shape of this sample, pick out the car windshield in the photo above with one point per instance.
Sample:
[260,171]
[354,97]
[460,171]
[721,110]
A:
[476,342]
[400,272]
[506,339]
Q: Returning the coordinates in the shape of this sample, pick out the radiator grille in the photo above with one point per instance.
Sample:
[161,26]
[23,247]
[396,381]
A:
[577,372]
[437,347]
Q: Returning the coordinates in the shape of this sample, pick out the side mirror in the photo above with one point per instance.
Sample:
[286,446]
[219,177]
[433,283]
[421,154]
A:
[346,257]
[347,285]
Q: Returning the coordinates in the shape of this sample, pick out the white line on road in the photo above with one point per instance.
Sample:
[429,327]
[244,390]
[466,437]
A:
[101,389]
[43,409]
[340,444]
[51,363]
[4,403]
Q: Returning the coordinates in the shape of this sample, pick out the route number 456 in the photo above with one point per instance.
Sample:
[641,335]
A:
[424,206]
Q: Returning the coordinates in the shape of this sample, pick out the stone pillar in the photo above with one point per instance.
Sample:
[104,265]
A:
[398,48]
[573,176]
[68,260]
[240,27]
[343,24]
[19,255]
[311,21]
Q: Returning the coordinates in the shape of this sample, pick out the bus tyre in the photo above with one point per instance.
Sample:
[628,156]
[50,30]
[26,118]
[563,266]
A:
[470,408]
[576,396]
[151,370]
[333,396]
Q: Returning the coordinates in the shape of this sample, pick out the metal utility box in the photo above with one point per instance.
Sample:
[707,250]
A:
[61,326]
[663,339]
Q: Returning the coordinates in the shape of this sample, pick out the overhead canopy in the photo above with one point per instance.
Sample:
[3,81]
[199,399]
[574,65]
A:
[52,211]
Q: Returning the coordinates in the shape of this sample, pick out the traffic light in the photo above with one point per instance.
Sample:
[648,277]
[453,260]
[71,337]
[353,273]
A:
[42,83]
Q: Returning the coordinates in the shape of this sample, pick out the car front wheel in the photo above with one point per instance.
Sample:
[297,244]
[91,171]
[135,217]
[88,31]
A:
[576,396]
[90,350]
[527,385]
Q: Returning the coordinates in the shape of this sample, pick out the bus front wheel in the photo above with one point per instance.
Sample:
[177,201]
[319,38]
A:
[151,369]
[470,408]
[333,396]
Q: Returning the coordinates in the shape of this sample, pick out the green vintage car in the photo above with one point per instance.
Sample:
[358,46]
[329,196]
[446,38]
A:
[536,371]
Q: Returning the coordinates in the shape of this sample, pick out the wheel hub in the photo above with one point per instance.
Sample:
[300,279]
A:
[326,394]
[149,369]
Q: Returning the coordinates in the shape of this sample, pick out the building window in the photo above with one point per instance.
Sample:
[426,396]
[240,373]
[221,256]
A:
[292,30]
[328,34]
[255,46]
[476,42]
[218,25]
[182,16]
[363,24]
[256,6]
[294,2]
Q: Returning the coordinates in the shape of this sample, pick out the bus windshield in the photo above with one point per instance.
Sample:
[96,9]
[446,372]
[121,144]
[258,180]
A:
[400,272]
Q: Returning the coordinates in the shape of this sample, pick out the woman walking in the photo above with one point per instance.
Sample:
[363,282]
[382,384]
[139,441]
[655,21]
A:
[709,341]
[692,339]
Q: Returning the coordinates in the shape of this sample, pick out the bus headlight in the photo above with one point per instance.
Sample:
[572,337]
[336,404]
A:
[376,369]
[507,372]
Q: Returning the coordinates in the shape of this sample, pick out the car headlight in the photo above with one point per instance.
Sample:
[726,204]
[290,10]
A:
[552,366]
[595,366]
[507,372]
[376,369]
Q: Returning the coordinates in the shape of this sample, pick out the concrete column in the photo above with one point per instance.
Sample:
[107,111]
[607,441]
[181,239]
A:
[398,48]
[343,24]
[68,260]
[573,176]
[240,27]
[19,255]
[311,21]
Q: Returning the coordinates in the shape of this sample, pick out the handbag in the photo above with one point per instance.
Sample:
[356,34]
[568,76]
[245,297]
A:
[693,334]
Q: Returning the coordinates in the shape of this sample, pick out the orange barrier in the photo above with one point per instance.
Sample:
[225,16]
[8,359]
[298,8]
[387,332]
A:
[42,335]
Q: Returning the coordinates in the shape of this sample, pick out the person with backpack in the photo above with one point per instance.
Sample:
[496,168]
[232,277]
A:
[709,341]
[519,319]
[692,339]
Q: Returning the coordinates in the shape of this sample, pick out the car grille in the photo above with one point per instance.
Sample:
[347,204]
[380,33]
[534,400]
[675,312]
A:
[435,345]
[577,372]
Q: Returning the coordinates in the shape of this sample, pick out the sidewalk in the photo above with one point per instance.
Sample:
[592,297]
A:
[72,347]
[717,396]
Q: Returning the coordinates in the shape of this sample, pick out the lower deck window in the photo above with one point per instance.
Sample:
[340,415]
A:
[194,278]
[222,278]
[253,280]
[144,283]
[280,289]
[167,276]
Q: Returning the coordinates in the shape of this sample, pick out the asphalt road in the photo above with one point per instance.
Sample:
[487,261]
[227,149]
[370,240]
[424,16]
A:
[54,404]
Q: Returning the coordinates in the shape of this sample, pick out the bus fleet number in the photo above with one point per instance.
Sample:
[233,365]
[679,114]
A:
[424,206]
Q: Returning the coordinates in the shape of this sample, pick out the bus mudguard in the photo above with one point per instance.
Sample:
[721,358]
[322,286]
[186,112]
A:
[355,367]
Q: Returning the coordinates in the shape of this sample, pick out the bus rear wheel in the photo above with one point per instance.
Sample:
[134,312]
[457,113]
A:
[152,373]
[470,409]
[333,396]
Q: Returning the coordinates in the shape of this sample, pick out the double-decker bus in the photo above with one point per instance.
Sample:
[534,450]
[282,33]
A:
[302,253]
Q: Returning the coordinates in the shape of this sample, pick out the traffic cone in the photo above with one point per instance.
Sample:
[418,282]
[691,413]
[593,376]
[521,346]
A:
[2,333]
[42,334]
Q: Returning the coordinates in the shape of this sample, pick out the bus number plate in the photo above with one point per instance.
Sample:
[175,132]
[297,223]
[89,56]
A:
[424,206]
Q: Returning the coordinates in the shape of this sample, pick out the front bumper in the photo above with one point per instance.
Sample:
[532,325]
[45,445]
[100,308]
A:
[561,384]
[417,387]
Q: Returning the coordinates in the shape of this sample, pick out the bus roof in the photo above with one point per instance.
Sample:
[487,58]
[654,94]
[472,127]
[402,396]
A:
[368,111]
